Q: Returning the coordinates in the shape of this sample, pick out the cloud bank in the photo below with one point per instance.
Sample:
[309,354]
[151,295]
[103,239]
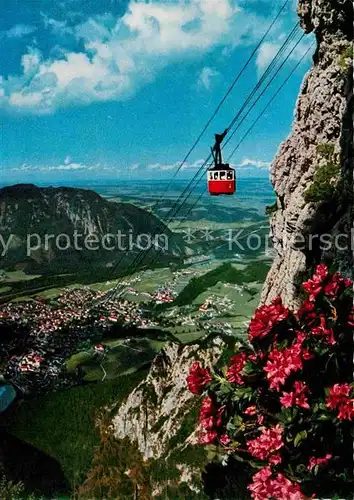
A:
[119,55]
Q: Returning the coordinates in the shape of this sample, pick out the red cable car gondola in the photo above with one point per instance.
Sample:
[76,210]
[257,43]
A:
[221,177]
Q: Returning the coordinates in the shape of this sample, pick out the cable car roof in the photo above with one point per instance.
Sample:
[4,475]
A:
[222,166]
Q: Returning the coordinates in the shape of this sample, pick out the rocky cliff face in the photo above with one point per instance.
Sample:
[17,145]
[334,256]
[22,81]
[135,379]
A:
[162,398]
[64,229]
[313,171]
[160,415]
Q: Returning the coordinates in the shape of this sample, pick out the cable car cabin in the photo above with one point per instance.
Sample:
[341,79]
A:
[221,180]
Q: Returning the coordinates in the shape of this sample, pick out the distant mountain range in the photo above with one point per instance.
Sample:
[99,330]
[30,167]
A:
[62,229]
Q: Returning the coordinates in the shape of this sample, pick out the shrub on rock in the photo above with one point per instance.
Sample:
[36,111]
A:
[285,402]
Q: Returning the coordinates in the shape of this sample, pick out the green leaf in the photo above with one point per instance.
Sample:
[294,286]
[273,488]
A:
[257,464]
[241,393]
[237,421]
[322,406]
[211,456]
[225,389]
[230,427]
[300,437]
[301,468]
[323,417]
[248,368]
[290,469]
[287,415]
[212,448]
[282,345]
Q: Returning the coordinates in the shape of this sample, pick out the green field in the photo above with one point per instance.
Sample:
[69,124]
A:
[226,273]
[120,359]
[18,276]
[202,224]
[187,336]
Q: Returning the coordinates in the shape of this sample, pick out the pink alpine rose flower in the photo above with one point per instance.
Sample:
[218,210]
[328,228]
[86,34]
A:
[323,331]
[251,410]
[321,462]
[269,442]
[265,318]
[266,486]
[225,440]
[314,286]
[337,394]
[297,397]
[339,399]
[281,364]
[198,378]
[208,437]
[237,365]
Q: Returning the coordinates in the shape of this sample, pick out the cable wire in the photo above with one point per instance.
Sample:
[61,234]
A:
[270,67]
[235,81]
[190,187]
[155,207]
[269,103]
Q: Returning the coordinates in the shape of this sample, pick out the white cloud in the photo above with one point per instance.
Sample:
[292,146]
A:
[174,166]
[196,164]
[68,165]
[164,167]
[121,55]
[247,162]
[266,53]
[57,27]
[30,62]
[134,167]
[18,31]
[206,76]
[269,49]
[20,100]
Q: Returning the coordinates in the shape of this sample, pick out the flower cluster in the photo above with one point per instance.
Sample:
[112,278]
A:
[296,397]
[324,331]
[323,282]
[314,285]
[285,401]
[265,318]
[237,364]
[341,398]
[211,420]
[266,485]
[281,364]
[267,444]
[198,378]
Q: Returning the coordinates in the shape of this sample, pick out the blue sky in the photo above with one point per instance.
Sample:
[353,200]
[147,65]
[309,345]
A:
[120,89]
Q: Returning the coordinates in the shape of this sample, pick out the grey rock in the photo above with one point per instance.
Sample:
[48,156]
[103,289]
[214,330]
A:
[153,413]
[323,116]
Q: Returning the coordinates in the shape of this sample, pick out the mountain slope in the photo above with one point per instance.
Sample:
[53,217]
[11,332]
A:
[160,417]
[63,229]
